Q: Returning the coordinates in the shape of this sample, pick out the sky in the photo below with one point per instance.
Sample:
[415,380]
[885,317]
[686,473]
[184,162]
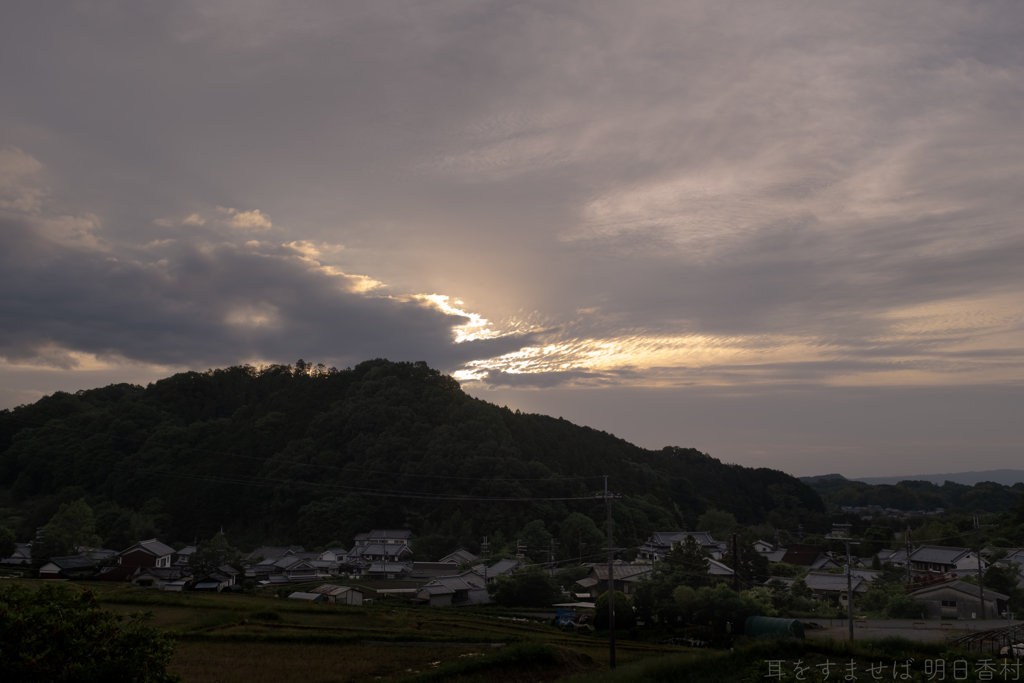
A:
[787,234]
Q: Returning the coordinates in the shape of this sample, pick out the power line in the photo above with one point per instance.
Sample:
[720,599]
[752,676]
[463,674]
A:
[267,482]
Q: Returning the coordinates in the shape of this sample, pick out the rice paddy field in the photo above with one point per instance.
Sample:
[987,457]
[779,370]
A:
[230,638]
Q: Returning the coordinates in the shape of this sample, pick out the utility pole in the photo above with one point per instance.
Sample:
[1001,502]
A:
[908,554]
[611,573]
[735,566]
[845,531]
[849,585]
[981,578]
[485,549]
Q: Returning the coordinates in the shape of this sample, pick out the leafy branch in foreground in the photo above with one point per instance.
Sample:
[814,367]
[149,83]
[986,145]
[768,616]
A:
[55,634]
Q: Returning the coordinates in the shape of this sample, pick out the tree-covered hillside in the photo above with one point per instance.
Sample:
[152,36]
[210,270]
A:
[986,496]
[309,455]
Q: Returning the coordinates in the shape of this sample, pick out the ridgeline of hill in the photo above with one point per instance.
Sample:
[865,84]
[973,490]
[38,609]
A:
[307,455]
[984,496]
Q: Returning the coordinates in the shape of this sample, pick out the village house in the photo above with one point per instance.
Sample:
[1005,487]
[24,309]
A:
[461,590]
[959,600]
[150,553]
[325,568]
[269,552]
[22,555]
[182,557]
[160,577]
[460,557]
[333,555]
[282,570]
[811,556]
[341,595]
[624,577]
[217,581]
[389,570]
[503,567]
[379,546]
[430,570]
[828,587]
[660,544]
[69,567]
[943,560]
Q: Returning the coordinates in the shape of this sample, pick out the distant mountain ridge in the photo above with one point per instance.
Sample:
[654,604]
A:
[982,494]
[1004,477]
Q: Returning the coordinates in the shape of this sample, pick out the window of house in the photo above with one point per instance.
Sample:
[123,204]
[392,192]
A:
[949,603]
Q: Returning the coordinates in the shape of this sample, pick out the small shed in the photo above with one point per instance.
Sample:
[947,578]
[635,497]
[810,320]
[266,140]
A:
[771,627]
[308,597]
[342,595]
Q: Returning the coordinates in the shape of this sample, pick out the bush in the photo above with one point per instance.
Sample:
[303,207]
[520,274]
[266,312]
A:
[904,607]
[525,589]
[54,634]
[716,606]
[625,617]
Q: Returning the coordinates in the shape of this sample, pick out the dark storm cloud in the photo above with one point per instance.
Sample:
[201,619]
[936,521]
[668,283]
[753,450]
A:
[206,303]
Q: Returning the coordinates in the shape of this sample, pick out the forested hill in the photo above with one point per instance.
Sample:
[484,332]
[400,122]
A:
[985,496]
[307,455]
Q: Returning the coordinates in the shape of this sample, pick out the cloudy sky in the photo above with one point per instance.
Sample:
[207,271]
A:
[786,233]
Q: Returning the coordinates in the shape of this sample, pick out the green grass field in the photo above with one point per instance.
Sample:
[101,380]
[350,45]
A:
[229,637]
[255,639]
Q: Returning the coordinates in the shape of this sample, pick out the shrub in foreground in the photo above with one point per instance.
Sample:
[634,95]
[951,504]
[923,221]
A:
[56,634]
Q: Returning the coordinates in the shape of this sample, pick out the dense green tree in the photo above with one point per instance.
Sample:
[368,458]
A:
[432,547]
[785,569]
[214,553]
[887,585]
[685,598]
[8,543]
[1003,578]
[719,522]
[525,589]
[752,566]
[876,538]
[800,589]
[57,635]
[625,617]
[580,538]
[536,539]
[688,563]
[723,608]
[73,526]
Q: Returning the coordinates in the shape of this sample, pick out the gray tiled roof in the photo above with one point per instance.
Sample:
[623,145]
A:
[619,571]
[152,546]
[667,538]
[833,582]
[503,566]
[459,556]
[163,573]
[72,562]
[960,587]
[938,554]
[268,552]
